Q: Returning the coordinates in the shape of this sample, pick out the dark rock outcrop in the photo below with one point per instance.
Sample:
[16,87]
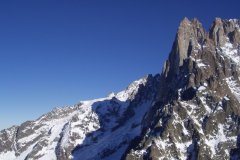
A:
[197,116]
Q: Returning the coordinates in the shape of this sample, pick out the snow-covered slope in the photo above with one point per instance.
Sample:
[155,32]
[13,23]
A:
[86,130]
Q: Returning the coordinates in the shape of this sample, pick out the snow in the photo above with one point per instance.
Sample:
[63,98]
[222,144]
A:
[111,140]
[200,64]
[201,88]
[199,46]
[24,154]
[235,21]
[182,149]
[112,94]
[220,137]
[131,90]
[185,131]
[229,51]
[58,127]
[179,94]
[28,138]
[226,98]
[208,109]
[192,58]
[55,127]
[191,108]
[178,120]
[10,155]
[234,87]
[162,144]
[140,153]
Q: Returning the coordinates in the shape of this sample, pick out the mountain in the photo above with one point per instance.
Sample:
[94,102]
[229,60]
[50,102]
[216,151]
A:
[88,130]
[197,110]
[189,111]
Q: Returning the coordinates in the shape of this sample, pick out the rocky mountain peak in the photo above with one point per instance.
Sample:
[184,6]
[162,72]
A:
[190,36]
[191,39]
[196,114]
[185,22]
[225,30]
[217,33]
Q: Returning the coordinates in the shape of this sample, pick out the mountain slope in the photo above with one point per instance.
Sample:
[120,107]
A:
[197,114]
[87,130]
[190,111]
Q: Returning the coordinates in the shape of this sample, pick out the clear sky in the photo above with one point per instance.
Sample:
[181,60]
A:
[56,53]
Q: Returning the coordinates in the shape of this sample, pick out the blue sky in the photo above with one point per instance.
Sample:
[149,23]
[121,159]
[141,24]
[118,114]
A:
[56,53]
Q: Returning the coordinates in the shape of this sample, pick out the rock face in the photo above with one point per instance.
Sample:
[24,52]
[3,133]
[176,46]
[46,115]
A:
[196,114]
[190,111]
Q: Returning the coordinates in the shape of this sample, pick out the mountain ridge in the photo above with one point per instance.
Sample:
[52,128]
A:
[189,111]
[196,96]
[105,109]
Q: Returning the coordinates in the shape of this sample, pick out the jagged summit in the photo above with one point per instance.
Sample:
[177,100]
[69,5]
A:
[189,111]
[197,112]
[191,37]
